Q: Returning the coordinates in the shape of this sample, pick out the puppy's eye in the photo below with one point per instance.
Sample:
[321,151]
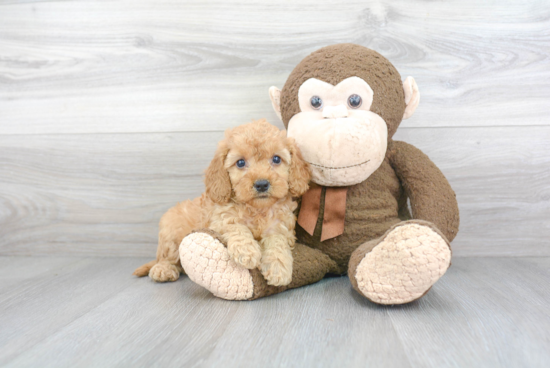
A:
[241,163]
[316,102]
[354,101]
[276,160]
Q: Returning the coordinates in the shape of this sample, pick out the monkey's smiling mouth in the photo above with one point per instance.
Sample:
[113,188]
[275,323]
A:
[336,168]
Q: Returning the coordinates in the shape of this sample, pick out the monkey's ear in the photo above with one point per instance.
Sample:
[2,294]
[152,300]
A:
[299,173]
[275,95]
[216,179]
[412,97]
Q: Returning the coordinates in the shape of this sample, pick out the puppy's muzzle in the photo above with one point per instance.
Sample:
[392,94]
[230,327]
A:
[261,186]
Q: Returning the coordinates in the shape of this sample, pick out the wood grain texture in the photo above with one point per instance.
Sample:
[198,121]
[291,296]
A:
[195,65]
[95,194]
[35,308]
[14,270]
[488,313]
[102,195]
[483,312]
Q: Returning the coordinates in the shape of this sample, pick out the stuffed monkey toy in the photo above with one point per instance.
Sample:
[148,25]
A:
[343,104]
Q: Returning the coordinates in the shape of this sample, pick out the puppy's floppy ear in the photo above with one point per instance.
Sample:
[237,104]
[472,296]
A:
[300,173]
[216,179]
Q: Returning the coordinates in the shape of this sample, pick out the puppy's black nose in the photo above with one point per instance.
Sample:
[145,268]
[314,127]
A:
[261,185]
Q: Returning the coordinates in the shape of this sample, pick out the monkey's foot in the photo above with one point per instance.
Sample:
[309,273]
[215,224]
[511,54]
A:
[402,265]
[206,261]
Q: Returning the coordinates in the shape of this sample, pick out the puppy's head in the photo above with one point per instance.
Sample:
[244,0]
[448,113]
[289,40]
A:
[256,164]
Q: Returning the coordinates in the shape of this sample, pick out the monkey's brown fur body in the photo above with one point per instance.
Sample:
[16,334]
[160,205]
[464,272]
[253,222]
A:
[380,202]
[392,256]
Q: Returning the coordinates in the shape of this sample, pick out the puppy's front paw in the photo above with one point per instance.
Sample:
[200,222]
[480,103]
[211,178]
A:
[277,269]
[245,252]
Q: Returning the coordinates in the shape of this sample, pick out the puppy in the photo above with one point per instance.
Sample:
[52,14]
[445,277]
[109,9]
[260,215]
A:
[250,185]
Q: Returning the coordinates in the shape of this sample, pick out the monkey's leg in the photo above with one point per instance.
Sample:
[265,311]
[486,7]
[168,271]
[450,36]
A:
[205,259]
[402,265]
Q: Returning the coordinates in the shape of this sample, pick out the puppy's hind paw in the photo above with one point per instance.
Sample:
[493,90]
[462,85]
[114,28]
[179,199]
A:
[163,272]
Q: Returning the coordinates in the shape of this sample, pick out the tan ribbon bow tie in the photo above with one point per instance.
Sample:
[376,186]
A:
[334,214]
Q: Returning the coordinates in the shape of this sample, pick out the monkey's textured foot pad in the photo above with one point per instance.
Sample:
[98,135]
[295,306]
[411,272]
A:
[404,265]
[207,263]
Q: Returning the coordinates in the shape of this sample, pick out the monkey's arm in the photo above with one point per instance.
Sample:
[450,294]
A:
[432,198]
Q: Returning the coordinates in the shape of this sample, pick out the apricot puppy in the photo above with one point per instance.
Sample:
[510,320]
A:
[250,185]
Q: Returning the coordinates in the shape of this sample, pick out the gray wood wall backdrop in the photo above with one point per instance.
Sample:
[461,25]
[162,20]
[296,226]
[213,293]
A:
[111,110]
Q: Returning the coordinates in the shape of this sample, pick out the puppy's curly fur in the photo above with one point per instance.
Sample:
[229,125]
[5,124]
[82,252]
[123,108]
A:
[256,225]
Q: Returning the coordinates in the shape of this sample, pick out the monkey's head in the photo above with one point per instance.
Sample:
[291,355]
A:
[342,104]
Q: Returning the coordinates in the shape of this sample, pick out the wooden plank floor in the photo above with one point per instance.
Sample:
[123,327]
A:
[67,312]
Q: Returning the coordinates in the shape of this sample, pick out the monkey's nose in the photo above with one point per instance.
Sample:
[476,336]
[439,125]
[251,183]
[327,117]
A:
[261,185]
[334,112]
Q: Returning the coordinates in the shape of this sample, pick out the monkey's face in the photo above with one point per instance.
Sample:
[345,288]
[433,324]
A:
[343,141]
[342,104]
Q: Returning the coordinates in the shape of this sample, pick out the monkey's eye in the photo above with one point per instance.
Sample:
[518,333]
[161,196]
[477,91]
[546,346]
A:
[276,160]
[316,102]
[354,101]
[241,163]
